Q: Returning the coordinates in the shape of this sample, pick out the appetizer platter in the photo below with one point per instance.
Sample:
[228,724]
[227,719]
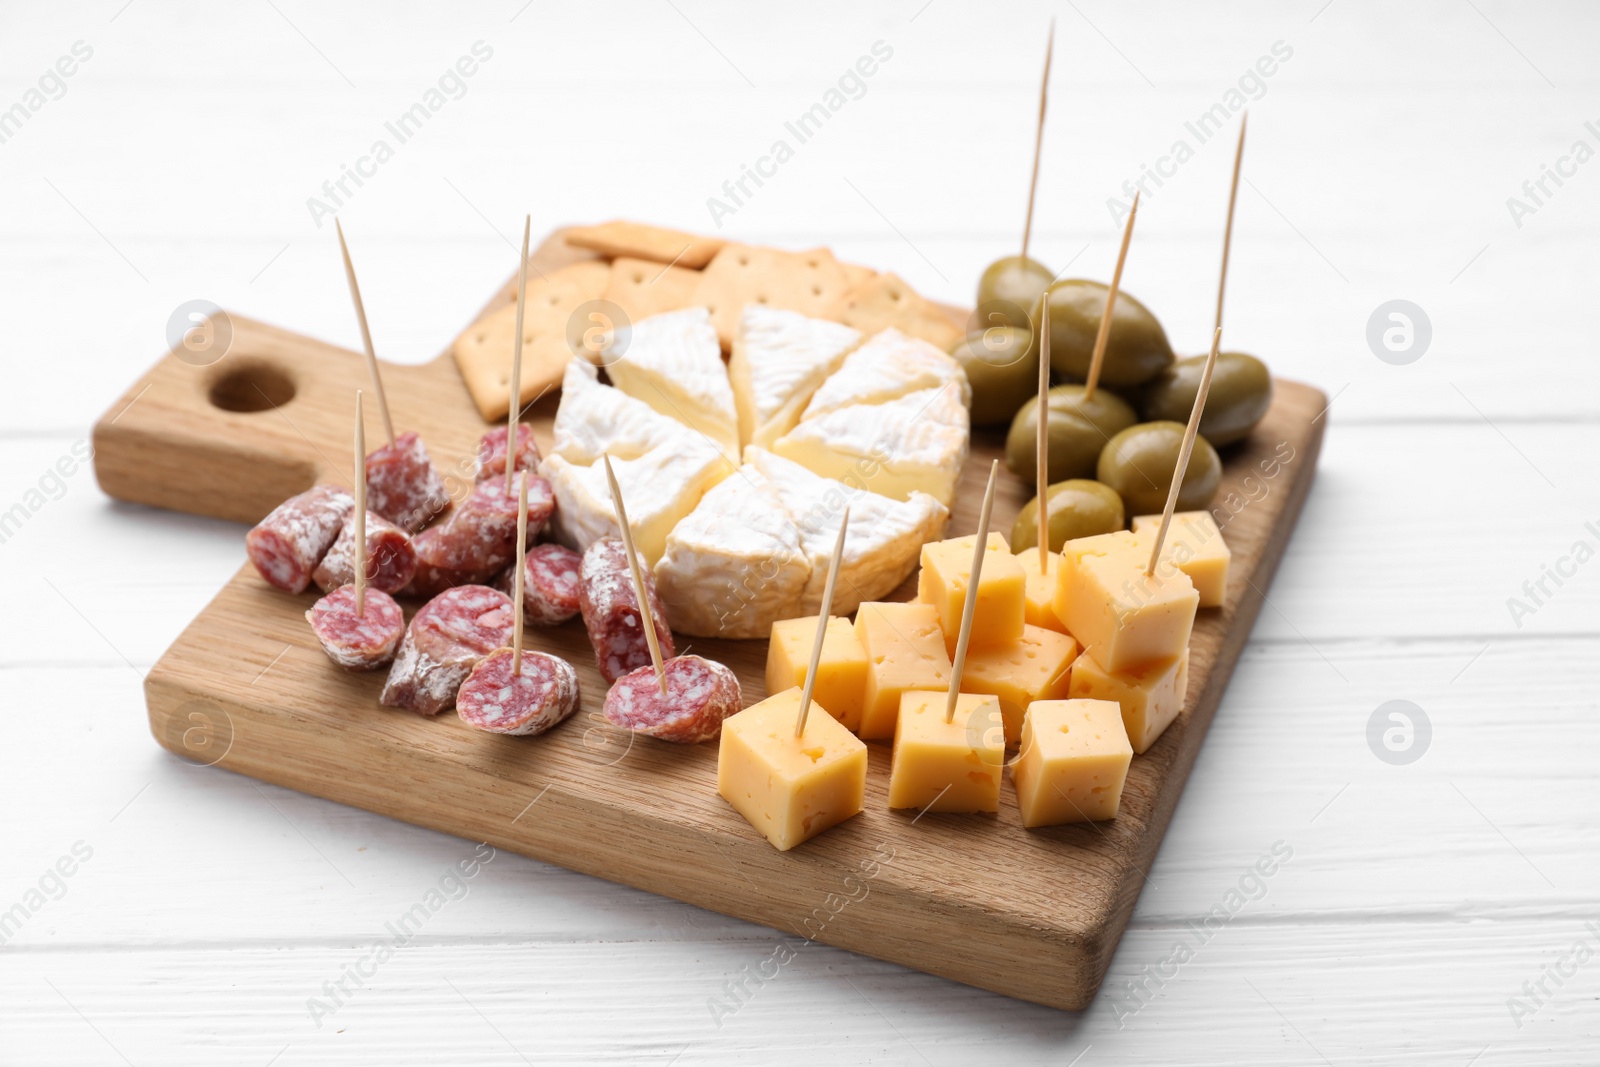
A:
[591,597]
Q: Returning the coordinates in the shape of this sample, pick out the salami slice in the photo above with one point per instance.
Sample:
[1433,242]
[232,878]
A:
[545,693]
[445,640]
[611,611]
[492,452]
[550,584]
[402,485]
[391,559]
[357,642]
[481,533]
[432,578]
[287,545]
[700,694]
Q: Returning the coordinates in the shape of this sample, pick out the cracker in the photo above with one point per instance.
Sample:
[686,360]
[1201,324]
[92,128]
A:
[886,300]
[855,274]
[636,240]
[642,288]
[483,351]
[812,283]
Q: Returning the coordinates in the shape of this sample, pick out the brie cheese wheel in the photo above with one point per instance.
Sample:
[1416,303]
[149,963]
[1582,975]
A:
[595,419]
[659,488]
[735,564]
[881,548]
[888,365]
[779,359]
[673,362]
[915,443]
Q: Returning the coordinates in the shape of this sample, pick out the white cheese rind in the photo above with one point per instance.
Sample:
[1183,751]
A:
[659,489]
[887,366]
[779,359]
[917,442]
[734,565]
[882,546]
[594,419]
[673,362]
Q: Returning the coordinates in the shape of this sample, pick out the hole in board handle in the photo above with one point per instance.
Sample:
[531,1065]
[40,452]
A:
[251,387]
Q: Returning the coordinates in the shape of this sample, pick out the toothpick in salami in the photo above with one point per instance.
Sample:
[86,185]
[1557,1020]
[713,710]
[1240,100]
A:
[1184,450]
[551,587]
[358,628]
[445,640]
[510,692]
[980,548]
[681,699]
[1102,337]
[514,405]
[823,618]
[492,452]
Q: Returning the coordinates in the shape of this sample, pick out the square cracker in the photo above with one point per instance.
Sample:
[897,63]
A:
[812,283]
[885,300]
[483,351]
[642,288]
[639,241]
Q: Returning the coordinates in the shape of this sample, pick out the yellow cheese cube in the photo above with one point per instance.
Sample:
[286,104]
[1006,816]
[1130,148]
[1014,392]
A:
[947,766]
[1196,546]
[1036,666]
[1119,614]
[1150,696]
[841,673]
[1039,589]
[790,788]
[1073,763]
[946,571]
[905,650]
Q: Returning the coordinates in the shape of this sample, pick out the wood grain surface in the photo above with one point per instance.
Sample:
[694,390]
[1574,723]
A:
[1032,914]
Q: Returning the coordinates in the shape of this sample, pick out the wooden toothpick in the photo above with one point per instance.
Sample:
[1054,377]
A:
[1184,451]
[1038,137]
[1227,232]
[646,616]
[822,627]
[366,335]
[513,415]
[1111,298]
[970,606]
[518,578]
[360,547]
[1042,481]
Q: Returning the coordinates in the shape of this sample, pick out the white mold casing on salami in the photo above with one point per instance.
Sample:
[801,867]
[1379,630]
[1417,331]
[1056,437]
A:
[551,584]
[355,642]
[611,610]
[700,694]
[402,485]
[287,545]
[544,694]
[391,557]
[445,640]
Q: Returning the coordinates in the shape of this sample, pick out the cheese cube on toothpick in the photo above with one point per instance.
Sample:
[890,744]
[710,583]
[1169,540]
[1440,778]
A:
[1195,546]
[841,685]
[951,766]
[1039,589]
[1001,604]
[1121,615]
[1036,666]
[1074,762]
[905,650]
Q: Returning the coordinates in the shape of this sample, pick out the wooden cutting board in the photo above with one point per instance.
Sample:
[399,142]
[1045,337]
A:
[1034,914]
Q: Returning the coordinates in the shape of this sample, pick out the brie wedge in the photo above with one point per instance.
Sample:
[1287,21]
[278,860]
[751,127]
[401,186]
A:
[883,543]
[915,443]
[673,362]
[595,419]
[659,488]
[779,359]
[735,565]
[888,365]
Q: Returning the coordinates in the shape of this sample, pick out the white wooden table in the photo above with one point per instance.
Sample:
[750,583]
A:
[210,911]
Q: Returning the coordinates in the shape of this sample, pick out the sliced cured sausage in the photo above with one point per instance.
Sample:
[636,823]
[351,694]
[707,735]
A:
[445,640]
[391,559]
[402,485]
[492,452]
[357,642]
[481,533]
[700,694]
[550,584]
[492,699]
[432,578]
[287,545]
[611,610]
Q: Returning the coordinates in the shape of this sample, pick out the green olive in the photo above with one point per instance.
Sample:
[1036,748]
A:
[1078,430]
[1003,369]
[1079,507]
[1241,392]
[1139,461]
[1008,292]
[1136,351]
